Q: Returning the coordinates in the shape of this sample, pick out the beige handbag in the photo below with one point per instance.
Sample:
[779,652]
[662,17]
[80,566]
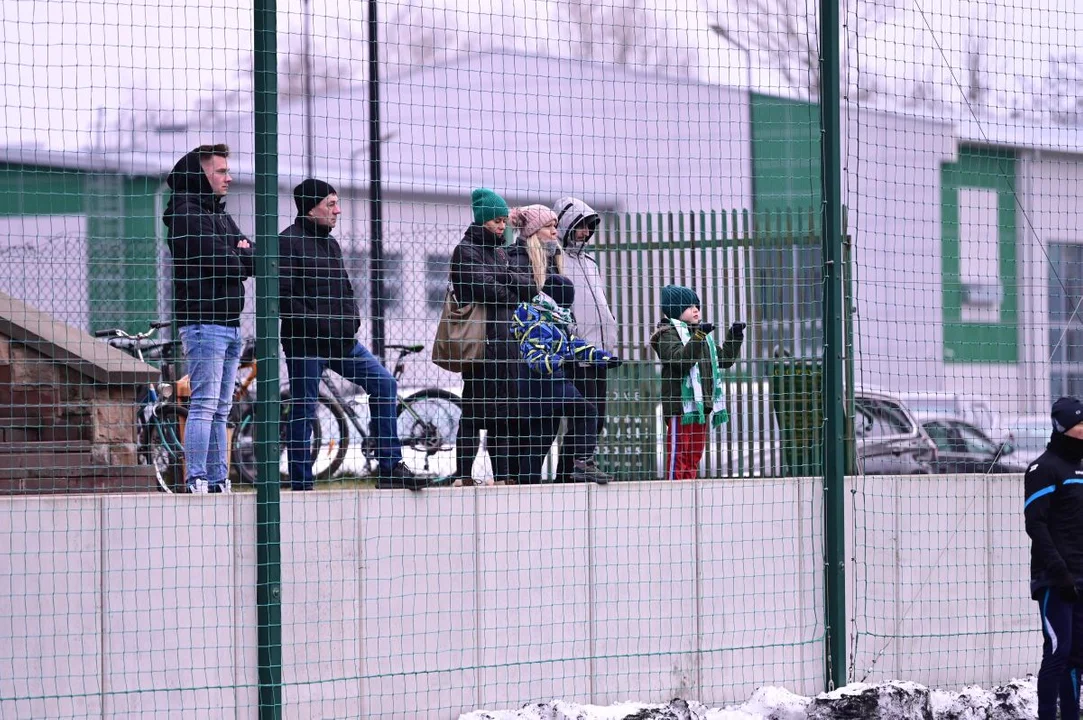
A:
[460,334]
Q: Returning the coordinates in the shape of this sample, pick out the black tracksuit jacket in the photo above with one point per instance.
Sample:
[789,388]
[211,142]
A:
[1053,510]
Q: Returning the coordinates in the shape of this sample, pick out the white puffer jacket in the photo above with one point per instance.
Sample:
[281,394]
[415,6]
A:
[594,320]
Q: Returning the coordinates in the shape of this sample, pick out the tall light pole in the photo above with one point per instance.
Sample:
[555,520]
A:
[306,83]
[376,201]
[376,320]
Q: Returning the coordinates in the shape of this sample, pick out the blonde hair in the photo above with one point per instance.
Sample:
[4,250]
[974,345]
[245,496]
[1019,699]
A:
[539,264]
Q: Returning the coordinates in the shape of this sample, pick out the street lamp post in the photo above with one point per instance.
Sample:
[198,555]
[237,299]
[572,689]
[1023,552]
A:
[377,324]
[376,244]
[306,83]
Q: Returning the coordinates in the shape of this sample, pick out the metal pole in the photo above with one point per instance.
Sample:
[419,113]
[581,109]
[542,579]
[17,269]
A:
[268,531]
[376,246]
[306,83]
[834,349]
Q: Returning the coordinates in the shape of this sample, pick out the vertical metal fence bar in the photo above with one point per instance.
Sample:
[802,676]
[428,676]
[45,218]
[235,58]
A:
[268,529]
[834,350]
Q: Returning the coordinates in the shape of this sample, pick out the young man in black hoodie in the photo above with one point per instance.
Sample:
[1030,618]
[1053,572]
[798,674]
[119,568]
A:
[319,323]
[211,260]
[1053,511]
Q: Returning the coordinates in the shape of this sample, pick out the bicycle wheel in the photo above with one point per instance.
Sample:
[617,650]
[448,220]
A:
[428,424]
[161,447]
[330,439]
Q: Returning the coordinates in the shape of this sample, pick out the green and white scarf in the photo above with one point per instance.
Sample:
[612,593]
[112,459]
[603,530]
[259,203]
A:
[692,385]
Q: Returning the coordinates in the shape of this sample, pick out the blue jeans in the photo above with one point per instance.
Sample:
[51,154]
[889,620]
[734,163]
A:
[361,368]
[1062,656]
[212,353]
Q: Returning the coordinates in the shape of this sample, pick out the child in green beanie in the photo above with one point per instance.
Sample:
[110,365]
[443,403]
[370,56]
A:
[692,366]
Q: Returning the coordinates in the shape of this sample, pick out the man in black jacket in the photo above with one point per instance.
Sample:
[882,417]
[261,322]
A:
[319,323]
[211,260]
[1054,520]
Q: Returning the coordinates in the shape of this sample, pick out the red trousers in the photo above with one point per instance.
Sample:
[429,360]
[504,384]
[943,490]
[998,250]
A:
[684,448]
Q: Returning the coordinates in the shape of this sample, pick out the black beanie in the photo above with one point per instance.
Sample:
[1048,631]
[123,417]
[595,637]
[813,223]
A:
[1067,413]
[561,290]
[311,193]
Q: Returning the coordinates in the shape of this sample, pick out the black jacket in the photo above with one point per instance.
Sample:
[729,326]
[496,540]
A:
[318,308]
[1053,510]
[209,269]
[481,273]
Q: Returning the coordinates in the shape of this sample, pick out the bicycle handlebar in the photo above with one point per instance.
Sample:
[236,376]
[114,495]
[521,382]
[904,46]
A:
[406,349]
[122,333]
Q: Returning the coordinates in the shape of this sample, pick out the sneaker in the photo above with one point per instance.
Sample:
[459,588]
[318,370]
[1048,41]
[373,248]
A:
[587,471]
[198,486]
[222,488]
[400,477]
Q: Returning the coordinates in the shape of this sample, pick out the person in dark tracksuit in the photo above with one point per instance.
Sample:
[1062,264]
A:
[548,346]
[1053,510]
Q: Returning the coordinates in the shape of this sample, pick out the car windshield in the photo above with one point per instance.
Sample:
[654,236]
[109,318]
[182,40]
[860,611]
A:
[974,441]
[878,418]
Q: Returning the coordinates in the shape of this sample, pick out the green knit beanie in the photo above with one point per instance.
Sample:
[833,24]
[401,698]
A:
[487,205]
[676,299]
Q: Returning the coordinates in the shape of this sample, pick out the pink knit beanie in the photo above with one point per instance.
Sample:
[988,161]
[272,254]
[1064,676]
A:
[529,219]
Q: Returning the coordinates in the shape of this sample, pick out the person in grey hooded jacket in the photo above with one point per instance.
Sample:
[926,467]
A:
[577,223]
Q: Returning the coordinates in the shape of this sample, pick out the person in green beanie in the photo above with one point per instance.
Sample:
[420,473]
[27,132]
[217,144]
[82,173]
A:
[692,365]
[481,272]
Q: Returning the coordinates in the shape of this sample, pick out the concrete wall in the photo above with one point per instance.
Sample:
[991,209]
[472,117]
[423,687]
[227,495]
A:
[423,606]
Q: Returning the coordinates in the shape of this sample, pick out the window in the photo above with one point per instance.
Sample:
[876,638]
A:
[1065,292]
[974,441]
[359,268]
[437,276]
[879,419]
[940,435]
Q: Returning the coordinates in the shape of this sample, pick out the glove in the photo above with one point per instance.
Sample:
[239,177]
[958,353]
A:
[737,331]
[613,362]
[703,330]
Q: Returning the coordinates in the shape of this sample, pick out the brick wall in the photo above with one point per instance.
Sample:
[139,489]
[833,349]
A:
[62,431]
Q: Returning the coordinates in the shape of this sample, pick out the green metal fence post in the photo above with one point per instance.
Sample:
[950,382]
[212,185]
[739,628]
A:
[834,349]
[268,532]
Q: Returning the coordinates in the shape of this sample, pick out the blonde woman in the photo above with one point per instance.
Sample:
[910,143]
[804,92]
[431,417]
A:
[537,248]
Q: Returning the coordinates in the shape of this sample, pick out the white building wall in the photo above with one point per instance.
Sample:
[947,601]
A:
[891,185]
[1049,194]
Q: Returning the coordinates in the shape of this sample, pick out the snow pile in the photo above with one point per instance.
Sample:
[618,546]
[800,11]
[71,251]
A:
[1015,700]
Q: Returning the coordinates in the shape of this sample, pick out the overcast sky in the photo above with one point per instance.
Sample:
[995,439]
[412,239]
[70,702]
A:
[66,60]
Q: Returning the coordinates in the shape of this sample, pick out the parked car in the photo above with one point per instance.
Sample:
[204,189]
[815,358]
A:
[974,409]
[963,448]
[1028,434]
[888,439]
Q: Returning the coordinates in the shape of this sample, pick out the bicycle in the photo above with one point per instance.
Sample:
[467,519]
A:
[159,418]
[428,422]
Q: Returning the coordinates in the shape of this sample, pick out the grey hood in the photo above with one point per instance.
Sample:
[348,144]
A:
[570,213]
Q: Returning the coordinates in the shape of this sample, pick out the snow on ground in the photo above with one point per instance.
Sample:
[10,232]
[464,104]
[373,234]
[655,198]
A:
[1015,700]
